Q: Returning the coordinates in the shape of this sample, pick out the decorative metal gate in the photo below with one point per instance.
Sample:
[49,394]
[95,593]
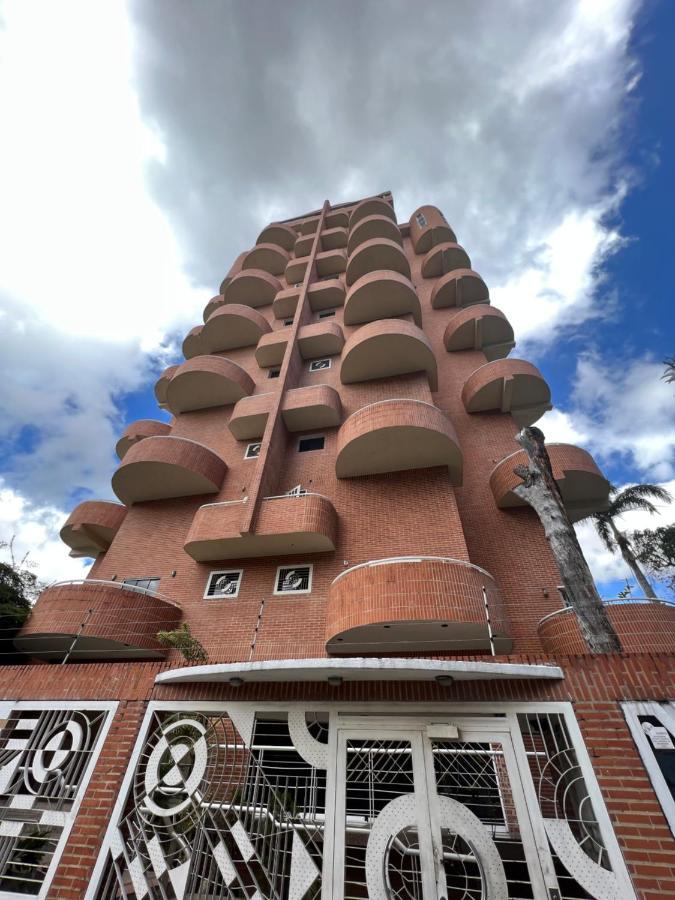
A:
[301,804]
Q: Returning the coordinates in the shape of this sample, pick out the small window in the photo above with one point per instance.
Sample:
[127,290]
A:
[273,373]
[223,584]
[148,584]
[421,219]
[253,450]
[288,321]
[335,276]
[313,442]
[293,580]
[318,365]
[326,314]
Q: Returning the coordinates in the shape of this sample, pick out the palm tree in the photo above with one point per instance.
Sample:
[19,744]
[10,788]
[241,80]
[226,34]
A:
[635,497]
[669,374]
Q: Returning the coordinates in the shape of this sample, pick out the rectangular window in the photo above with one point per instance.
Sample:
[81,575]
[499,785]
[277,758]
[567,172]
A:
[253,450]
[317,365]
[652,724]
[149,584]
[293,580]
[273,373]
[313,442]
[223,584]
[421,219]
[326,314]
[288,321]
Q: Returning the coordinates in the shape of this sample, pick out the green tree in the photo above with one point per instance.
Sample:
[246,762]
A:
[635,497]
[655,550]
[182,639]
[19,588]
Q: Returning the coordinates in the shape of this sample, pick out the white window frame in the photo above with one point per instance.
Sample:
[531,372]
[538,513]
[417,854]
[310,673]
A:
[308,437]
[320,359]
[248,447]
[307,590]
[239,572]
[665,713]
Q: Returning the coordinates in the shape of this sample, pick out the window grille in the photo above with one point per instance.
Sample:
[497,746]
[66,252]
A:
[318,365]
[293,580]
[421,219]
[253,450]
[223,584]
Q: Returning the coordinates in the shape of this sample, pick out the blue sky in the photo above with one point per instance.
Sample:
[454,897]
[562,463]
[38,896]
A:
[155,139]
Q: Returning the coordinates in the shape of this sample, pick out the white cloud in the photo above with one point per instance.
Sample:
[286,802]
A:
[35,531]
[624,413]
[606,566]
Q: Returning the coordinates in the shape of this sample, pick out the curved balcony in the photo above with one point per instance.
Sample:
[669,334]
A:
[643,626]
[381,295]
[192,345]
[252,287]
[378,253]
[249,416]
[583,487]
[331,239]
[509,386]
[444,258]
[337,218]
[271,348]
[162,384]
[320,339]
[97,620]
[373,206]
[280,234]
[138,431]
[409,604]
[286,302]
[326,294]
[235,269]
[387,348]
[231,327]
[395,435]
[480,328]
[91,527]
[296,269]
[163,468]
[213,304]
[309,225]
[309,408]
[284,525]
[268,258]
[376,227]
[330,262]
[207,381]
[461,287]
[429,227]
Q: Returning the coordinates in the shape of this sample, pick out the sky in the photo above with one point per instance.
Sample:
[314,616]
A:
[144,145]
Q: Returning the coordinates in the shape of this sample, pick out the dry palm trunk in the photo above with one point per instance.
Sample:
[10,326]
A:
[632,563]
[540,490]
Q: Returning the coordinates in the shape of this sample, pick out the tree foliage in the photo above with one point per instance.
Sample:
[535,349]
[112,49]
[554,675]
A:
[655,549]
[19,588]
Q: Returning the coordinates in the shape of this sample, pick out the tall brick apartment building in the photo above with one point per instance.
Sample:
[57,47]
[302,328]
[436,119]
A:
[396,701]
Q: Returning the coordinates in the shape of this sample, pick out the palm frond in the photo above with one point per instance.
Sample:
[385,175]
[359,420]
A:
[669,374]
[603,528]
[638,497]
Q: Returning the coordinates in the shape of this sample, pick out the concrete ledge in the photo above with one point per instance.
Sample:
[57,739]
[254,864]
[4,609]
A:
[358,669]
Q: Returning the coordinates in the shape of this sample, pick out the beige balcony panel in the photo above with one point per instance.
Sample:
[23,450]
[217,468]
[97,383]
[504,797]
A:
[374,206]
[461,287]
[252,287]
[249,417]
[268,257]
[162,384]
[233,326]
[91,527]
[312,407]
[286,302]
[138,431]
[207,381]
[337,218]
[327,294]
[480,328]
[373,227]
[160,468]
[285,525]
[320,339]
[331,262]
[214,304]
[333,238]
[309,226]
[374,255]
[512,386]
[295,270]
[192,345]
[386,348]
[277,233]
[303,246]
[381,295]
[444,258]
[271,348]
[396,435]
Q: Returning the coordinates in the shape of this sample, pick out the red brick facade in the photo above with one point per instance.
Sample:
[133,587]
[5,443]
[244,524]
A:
[407,469]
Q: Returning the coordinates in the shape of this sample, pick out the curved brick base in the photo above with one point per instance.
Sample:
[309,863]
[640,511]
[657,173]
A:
[112,622]
[642,628]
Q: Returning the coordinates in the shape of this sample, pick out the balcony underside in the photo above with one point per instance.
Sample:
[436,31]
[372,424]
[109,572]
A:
[432,637]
